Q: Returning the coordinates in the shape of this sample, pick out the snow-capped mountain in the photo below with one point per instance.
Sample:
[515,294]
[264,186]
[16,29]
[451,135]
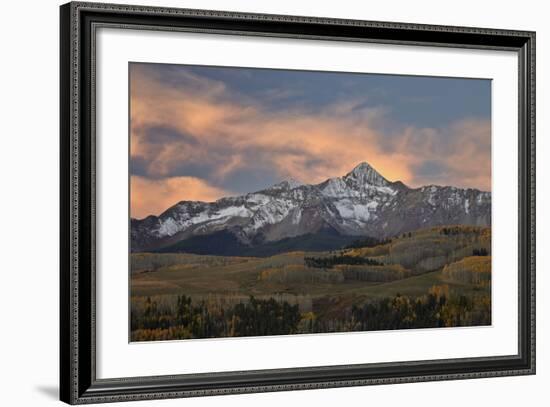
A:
[361,203]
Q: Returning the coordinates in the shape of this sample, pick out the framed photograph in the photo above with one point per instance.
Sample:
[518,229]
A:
[255,203]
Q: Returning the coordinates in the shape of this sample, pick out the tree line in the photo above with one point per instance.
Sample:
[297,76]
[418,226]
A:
[331,261]
[367,241]
[196,320]
[480,252]
[258,317]
[433,310]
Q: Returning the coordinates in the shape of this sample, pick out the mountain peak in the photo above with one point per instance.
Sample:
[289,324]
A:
[288,184]
[364,173]
[293,183]
[362,166]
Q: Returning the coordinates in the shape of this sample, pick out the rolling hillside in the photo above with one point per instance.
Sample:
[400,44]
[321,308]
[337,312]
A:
[451,259]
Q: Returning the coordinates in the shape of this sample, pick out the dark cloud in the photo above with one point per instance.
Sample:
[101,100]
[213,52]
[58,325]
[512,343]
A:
[251,178]
[139,166]
[431,172]
[431,168]
[165,135]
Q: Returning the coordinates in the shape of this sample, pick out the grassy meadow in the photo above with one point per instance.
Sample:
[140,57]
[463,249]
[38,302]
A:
[436,277]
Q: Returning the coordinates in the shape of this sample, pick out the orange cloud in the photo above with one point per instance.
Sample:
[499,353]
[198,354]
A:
[293,137]
[152,197]
[467,158]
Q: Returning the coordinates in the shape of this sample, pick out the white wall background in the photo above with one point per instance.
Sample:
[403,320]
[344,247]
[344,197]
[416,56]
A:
[29,163]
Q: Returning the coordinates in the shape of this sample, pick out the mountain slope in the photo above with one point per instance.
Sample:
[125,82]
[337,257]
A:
[361,203]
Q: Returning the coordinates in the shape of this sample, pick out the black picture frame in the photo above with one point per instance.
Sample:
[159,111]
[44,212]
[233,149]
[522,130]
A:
[78,382]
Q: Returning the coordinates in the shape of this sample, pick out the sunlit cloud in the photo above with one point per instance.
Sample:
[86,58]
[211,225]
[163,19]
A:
[152,197]
[463,160]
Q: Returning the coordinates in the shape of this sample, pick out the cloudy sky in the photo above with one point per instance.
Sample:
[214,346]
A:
[200,133]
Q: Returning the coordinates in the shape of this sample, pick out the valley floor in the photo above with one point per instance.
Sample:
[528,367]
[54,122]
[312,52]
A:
[435,277]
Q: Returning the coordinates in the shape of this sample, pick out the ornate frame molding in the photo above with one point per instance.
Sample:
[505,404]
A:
[78,380]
